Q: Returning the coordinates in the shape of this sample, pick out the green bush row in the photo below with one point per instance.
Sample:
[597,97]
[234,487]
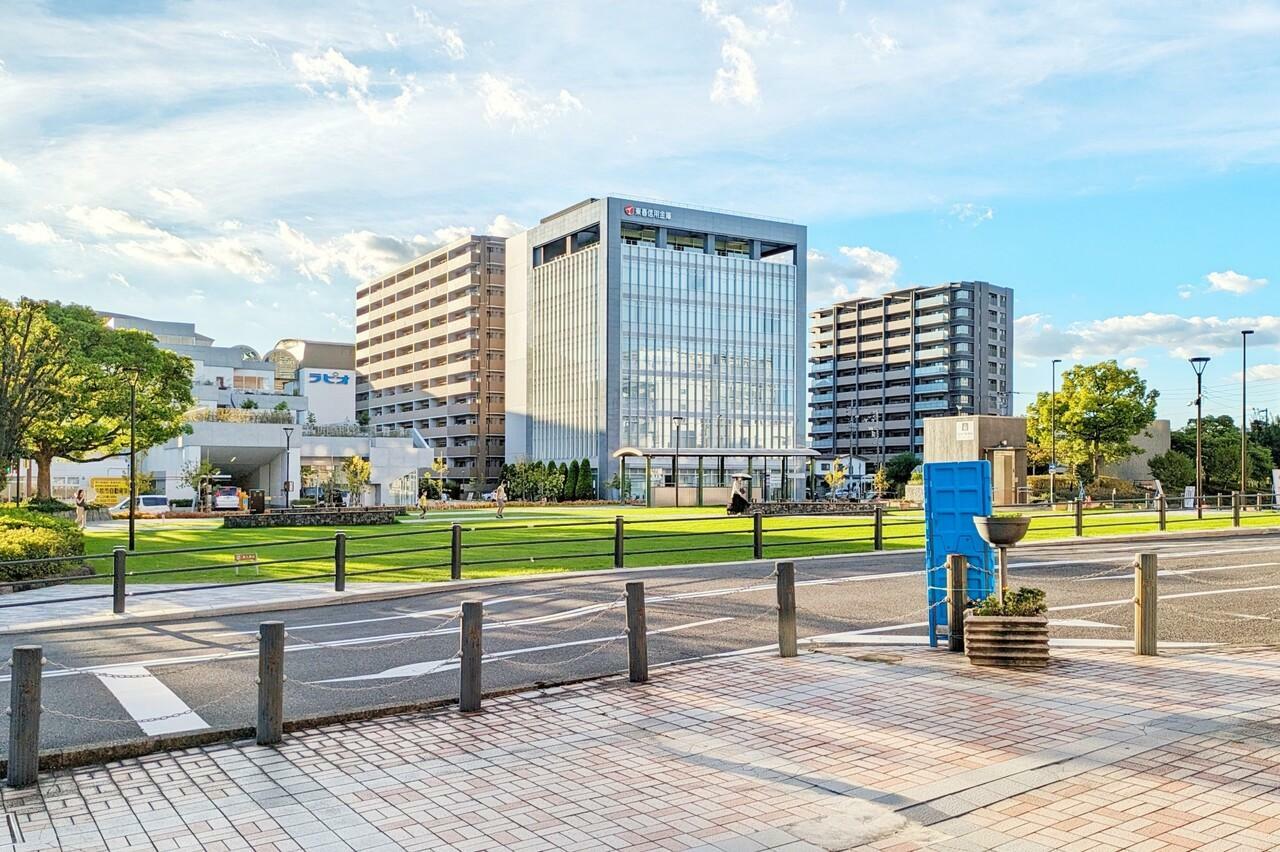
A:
[25,534]
[1066,486]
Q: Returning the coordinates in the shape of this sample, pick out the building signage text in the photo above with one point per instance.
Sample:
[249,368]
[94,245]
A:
[334,378]
[646,212]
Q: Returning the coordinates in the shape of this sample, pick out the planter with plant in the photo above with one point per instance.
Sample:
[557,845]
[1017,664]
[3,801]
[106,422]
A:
[1011,632]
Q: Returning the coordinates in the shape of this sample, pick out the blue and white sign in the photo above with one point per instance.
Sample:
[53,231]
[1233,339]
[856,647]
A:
[333,377]
[331,394]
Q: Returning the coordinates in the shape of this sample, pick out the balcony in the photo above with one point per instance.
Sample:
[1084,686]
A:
[931,387]
[932,370]
[932,405]
[932,318]
[932,302]
[932,336]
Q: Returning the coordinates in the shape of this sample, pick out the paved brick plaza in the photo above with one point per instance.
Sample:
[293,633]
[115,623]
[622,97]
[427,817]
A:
[845,748]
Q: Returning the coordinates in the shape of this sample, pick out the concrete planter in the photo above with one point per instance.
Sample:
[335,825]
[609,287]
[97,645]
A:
[1002,532]
[1007,640]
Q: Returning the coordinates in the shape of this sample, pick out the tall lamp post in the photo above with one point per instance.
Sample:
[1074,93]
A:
[288,485]
[675,460]
[1053,432]
[133,458]
[1198,364]
[1244,411]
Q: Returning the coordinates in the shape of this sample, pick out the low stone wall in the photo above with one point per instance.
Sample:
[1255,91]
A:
[823,507]
[351,517]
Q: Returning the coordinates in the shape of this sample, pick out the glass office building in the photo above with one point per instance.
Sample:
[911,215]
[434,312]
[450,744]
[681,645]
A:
[647,326]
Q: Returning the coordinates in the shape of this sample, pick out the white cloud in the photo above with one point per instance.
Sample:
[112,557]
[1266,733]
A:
[440,236]
[33,233]
[230,225]
[505,100]
[735,80]
[503,226]
[360,254]
[117,278]
[340,321]
[393,40]
[1266,372]
[8,170]
[1135,363]
[106,222]
[1233,282]
[451,43]
[972,214]
[1185,291]
[1178,336]
[880,44]
[859,272]
[331,69]
[177,199]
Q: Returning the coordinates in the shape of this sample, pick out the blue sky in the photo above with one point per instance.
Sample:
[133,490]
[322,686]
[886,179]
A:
[244,164]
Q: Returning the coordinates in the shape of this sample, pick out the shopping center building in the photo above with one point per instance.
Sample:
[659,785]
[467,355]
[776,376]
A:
[647,329]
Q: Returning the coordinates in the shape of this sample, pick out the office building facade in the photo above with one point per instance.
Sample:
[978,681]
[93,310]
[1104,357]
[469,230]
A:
[430,355]
[878,367]
[650,325]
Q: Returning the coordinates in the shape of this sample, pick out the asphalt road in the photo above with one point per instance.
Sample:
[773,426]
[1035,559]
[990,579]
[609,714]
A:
[111,683]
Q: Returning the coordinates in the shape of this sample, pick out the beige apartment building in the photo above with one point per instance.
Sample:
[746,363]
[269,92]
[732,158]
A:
[430,355]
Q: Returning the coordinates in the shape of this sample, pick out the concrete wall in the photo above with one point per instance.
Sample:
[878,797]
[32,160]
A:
[967,438]
[1153,441]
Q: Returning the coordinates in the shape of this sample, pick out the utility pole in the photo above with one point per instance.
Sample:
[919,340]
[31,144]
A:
[1053,431]
[675,460]
[133,460]
[1198,364]
[1244,411]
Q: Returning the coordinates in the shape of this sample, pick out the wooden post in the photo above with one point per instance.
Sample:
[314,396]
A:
[472,647]
[339,562]
[1235,508]
[1144,605]
[877,536]
[1164,518]
[619,541]
[1079,510]
[270,682]
[786,572]
[637,633]
[119,563]
[957,591]
[24,715]
[1002,569]
[757,535]
[455,552]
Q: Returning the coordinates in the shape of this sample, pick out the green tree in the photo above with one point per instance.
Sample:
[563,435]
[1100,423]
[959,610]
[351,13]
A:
[249,404]
[899,467]
[281,406]
[836,476]
[1100,407]
[357,471]
[1220,454]
[35,363]
[1267,435]
[571,481]
[564,493]
[194,474]
[1175,470]
[880,482]
[88,418]
[586,487]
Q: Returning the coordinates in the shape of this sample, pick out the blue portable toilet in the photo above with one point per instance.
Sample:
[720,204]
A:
[954,493]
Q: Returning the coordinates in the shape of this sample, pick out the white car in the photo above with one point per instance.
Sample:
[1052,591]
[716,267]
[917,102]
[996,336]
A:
[148,504]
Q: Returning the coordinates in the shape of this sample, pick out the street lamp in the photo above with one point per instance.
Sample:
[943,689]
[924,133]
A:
[1053,431]
[676,420]
[288,486]
[1198,364]
[133,456]
[1244,411]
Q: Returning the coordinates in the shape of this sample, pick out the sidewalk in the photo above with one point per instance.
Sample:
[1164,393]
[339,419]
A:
[899,749]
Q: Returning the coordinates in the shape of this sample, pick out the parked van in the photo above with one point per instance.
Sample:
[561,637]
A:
[148,504]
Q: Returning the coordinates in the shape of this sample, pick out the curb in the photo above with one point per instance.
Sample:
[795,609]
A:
[447,587]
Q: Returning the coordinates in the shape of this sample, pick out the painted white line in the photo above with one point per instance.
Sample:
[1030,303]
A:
[862,639]
[451,663]
[1175,572]
[1131,550]
[1083,622]
[143,696]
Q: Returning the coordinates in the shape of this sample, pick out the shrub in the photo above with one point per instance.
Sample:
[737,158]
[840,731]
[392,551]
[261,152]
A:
[1067,486]
[48,505]
[303,502]
[32,535]
[1024,602]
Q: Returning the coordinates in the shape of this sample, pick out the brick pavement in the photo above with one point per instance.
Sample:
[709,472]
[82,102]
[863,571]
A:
[891,750]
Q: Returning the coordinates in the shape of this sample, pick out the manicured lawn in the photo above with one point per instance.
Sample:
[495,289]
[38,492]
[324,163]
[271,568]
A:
[549,539]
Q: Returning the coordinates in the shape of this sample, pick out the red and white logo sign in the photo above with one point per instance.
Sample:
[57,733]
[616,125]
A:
[630,210]
[646,212]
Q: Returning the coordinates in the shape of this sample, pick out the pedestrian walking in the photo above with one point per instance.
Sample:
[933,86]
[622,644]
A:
[82,509]
[423,503]
[500,497]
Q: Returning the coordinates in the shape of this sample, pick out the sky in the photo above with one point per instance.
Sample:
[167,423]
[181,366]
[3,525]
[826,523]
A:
[243,165]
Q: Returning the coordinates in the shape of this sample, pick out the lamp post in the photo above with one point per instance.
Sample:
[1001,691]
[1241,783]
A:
[675,460]
[1198,364]
[288,486]
[1053,432]
[133,458]
[1244,411]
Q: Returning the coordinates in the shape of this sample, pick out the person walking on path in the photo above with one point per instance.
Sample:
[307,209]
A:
[500,497]
[423,503]
[82,510]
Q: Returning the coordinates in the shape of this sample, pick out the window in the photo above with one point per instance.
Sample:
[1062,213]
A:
[686,240]
[732,246]
[636,234]
[584,238]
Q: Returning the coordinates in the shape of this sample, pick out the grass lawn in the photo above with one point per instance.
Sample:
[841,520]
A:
[549,539]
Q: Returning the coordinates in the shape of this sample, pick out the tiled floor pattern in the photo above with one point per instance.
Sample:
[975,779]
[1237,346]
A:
[833,750]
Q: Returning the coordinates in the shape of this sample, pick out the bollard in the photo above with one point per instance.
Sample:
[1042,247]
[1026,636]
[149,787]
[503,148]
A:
[619,541]
[270,682]
[1257,501]
[877,542]
[455,552]
[1235,508]
[1079,510]
[471,648]
[1144,605]
[119,562]
[757,535]
[1164,508]
[637,633]
[957,581]
[1218,500]
[339,562]
[786,572]
[24,716]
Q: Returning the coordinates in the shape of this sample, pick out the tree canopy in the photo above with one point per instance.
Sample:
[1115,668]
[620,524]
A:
[34,363]
[1100,408]
[1220,454]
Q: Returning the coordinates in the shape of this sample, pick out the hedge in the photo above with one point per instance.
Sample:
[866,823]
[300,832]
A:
[33,535]
[1066,487]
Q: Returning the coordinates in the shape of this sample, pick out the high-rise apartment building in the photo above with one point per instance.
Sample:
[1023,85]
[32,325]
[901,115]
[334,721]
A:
[430,355]
[652,326]
[879,366]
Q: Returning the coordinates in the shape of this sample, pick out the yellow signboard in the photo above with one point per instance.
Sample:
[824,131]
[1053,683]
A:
[109,489]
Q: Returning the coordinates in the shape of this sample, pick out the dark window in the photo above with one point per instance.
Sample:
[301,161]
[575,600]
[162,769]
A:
[637,234]
[686,240]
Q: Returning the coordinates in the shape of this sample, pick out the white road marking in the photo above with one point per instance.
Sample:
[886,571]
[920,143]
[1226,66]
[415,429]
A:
[143,696]
[1132,549]
[1082,622]
[1174,572]
[451,663]
[854,638]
